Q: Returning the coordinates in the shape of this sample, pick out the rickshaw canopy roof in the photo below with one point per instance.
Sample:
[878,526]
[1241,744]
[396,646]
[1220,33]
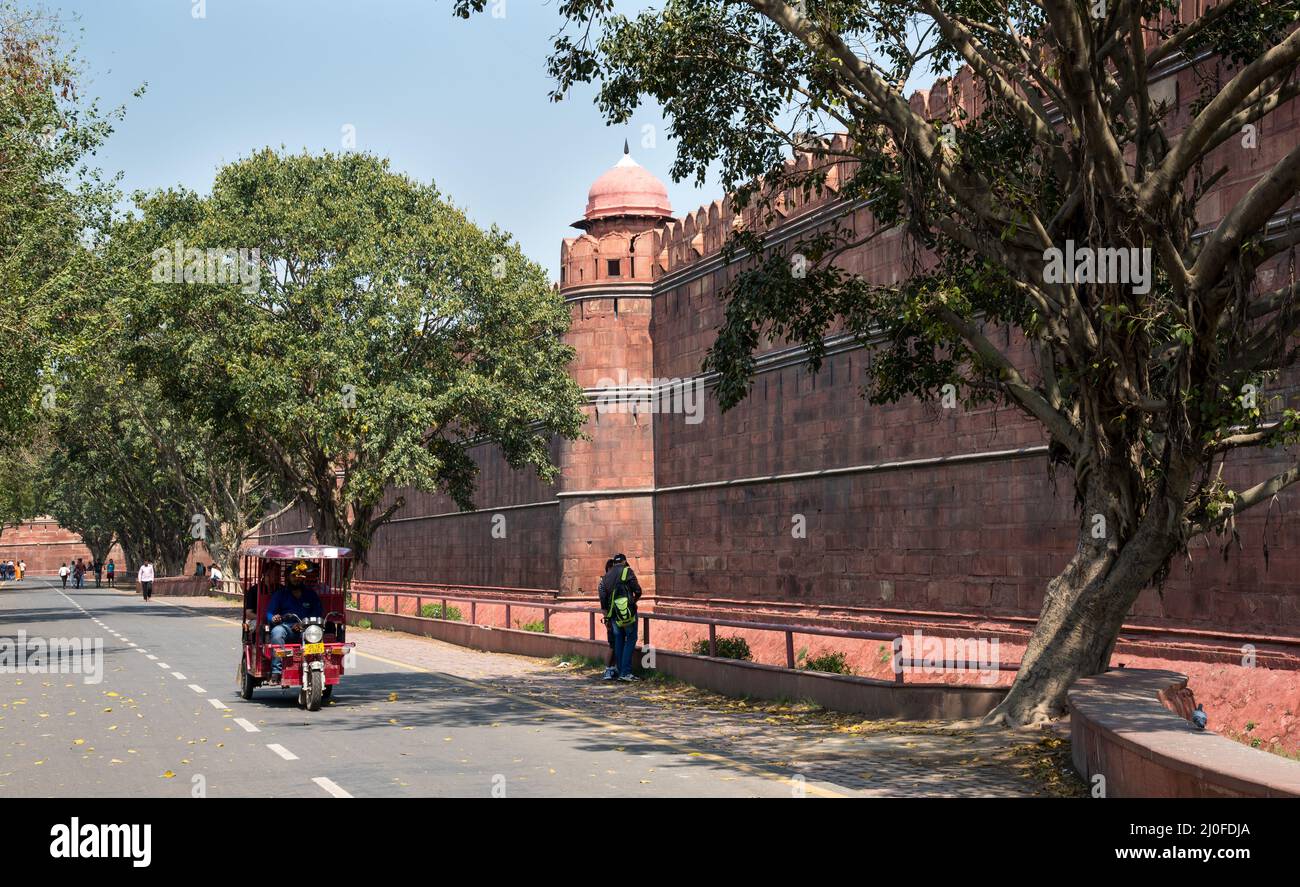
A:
[297,552]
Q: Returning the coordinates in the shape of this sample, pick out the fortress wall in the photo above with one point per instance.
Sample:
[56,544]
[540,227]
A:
[971,535]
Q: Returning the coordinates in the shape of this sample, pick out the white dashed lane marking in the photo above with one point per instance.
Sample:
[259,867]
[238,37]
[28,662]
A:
[247,725]
[282,751]
[218,704]
[178,676]
[163,665]
[197,689]
[330,786]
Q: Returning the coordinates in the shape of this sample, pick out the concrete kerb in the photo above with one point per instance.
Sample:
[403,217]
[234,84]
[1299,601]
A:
[1121,731]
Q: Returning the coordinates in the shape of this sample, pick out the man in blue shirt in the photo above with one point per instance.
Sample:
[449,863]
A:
[297,598]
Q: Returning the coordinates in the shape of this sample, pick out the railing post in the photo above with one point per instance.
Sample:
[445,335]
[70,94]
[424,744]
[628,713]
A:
[444,609]
[546,620]
[713,639]
[789,649]
[507,615]
[473,612]
[419,605]
[645,638]
[591,625]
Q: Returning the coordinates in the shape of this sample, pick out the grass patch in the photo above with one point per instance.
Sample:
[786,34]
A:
[573,660]
[362,623]
[831,662]
[536,625]
[434,611]
[726,648]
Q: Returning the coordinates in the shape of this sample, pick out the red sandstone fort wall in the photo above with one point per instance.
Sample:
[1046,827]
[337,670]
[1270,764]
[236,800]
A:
[44,545]
[979,537]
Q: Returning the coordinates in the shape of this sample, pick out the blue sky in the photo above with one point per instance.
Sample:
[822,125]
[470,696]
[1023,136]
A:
[460,103]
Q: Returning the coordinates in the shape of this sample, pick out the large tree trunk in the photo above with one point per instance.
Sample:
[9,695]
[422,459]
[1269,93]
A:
[1082,613]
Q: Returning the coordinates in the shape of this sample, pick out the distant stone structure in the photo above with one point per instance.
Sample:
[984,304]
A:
[44,545]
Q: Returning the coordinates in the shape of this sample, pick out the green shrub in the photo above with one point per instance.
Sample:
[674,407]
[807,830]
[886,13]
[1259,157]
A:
[362,623]
[536,625]
[833,662]
[434,611]
[726,648]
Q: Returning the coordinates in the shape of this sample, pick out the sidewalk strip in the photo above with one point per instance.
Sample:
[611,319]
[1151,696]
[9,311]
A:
[638,735]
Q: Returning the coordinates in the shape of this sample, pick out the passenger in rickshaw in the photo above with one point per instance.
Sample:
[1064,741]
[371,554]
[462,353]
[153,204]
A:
[297,598]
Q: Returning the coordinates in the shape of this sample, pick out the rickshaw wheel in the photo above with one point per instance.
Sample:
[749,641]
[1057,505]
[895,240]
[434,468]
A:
[245,680]
[315,690]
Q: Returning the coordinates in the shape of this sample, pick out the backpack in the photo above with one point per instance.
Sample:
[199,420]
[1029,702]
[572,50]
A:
[621,607]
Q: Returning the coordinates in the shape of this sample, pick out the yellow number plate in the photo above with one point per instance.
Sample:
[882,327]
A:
[309,649]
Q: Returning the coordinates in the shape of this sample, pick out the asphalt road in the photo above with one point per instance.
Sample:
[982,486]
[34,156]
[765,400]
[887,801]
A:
[166,720]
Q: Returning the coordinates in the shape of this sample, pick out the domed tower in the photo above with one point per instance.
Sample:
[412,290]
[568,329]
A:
[606,277]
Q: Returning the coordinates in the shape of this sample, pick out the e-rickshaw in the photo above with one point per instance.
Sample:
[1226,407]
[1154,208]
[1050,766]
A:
[312,662]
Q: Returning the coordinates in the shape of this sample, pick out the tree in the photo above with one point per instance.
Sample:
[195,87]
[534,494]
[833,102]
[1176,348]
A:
[50,206]
[1144,387]
[364,339]
[106,478]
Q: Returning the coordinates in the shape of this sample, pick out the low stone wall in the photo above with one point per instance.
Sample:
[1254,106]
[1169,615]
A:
[872,698]
[177,586]
[1129,726]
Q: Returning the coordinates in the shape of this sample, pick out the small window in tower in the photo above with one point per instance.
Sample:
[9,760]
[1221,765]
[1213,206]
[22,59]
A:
[614,267]
[562,273]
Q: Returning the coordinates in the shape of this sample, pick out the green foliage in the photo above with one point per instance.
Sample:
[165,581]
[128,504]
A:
[832,661]
[434,611]
[536,625]
[725,648]
[51,208]
[362,623]
[383,335]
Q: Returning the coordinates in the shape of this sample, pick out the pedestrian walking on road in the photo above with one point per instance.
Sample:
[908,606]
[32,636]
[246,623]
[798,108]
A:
[146,579]
[63,574]
[110,569]
[78,574]
[624,592]
[22,570]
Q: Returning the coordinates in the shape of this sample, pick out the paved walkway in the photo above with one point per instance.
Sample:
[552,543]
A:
[805,744]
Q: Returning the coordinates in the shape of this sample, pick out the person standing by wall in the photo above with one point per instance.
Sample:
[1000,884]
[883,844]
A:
[22,569]
[602,591]
[110,570]
[146,579]
[624,592]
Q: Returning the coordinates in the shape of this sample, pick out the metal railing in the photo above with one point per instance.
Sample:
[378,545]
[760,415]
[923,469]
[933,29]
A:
[712,622]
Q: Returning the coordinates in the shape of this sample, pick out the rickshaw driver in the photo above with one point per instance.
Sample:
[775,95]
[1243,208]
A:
[297,598]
